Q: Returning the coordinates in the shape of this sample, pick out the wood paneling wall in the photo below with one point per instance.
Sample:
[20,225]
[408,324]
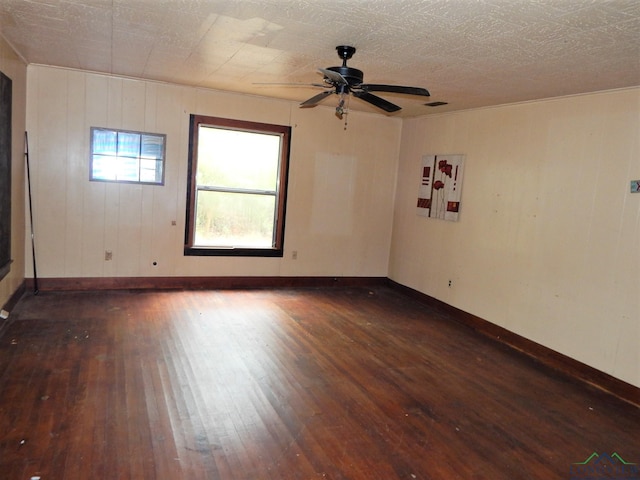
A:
[78,220]
[548,241]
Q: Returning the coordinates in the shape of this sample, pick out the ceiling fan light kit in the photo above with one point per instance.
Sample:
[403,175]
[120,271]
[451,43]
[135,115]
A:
[345,80]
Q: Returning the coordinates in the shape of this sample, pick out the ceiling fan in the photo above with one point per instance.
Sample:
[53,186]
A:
[345,80]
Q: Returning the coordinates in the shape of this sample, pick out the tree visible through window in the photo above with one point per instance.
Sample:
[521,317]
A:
[237,187]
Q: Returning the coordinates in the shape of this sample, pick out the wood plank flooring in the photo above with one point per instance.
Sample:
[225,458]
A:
[320,383]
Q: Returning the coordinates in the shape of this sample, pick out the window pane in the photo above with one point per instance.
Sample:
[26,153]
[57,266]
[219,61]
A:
[231,158]
[234,220]
[150,171]
[152,146]
[104,142]
[128,144]
[128,169]
[104,168]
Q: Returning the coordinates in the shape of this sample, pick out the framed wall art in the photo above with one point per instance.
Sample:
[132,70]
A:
[441,186]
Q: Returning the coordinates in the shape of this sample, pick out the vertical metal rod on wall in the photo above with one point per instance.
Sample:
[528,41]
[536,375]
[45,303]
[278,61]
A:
[33,243]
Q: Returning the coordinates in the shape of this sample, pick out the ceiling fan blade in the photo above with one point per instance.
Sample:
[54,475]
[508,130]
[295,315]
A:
[335,77]
[316,99]
[377,101]
[284,84]
[375,87]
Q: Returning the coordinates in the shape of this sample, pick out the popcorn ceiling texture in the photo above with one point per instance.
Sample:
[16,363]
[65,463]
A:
[469,53]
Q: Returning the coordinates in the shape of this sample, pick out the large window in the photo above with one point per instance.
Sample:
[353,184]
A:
[126,156]
[237,187]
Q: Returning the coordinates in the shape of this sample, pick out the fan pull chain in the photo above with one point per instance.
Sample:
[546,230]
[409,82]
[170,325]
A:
[346,112]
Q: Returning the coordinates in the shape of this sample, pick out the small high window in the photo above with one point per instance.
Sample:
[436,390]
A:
[126,156]
[236,187]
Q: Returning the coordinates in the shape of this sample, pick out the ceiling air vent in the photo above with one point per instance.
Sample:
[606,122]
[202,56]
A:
[436,104]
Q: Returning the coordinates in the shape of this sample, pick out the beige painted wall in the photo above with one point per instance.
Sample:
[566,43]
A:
[13,67]
[548,241]
[341,183]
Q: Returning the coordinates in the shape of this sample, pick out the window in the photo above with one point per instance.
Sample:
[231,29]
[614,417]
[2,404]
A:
[236,190]
[129,157]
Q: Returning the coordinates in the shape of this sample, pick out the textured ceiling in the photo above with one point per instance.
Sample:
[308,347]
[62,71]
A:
[469,53]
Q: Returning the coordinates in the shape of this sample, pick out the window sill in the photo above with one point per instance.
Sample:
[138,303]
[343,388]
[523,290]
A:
[231,252]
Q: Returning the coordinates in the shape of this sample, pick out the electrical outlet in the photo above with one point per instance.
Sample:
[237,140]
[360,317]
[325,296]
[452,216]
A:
[450,283]
[108,255]
[294,255]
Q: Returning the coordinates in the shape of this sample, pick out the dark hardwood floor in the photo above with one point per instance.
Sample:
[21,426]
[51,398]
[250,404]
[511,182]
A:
[324,383]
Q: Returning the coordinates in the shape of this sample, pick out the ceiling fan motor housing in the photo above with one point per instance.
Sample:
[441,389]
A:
[352,75]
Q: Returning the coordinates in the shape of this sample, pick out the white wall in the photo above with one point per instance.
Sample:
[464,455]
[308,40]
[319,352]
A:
[548,241]
[13,67]
[341,184]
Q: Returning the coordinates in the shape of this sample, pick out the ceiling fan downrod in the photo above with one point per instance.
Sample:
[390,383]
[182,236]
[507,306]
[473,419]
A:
[345,52]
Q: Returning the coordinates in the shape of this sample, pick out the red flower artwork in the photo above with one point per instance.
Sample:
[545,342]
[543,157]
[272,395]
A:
[439,195]
[445,167]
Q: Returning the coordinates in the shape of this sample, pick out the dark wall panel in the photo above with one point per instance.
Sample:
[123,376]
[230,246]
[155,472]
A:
[5,174]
